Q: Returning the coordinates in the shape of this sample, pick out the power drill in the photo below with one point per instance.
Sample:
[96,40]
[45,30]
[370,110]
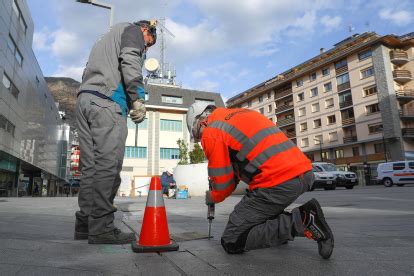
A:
[210,211]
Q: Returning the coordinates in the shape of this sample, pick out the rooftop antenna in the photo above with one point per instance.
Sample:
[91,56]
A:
[163,29]
[351,28]
[367,25]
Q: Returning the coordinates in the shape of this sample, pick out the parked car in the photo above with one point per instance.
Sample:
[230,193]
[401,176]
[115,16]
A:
[343,178]
[323,179]
[399,173]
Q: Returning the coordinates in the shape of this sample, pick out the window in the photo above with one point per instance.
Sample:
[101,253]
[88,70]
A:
[370,91]
[331,119]
[342,79]
[303,127]
[364,54]
[325,72]
[317,123]
[374,128]
[312,76]
[301,96]
[10,86]
[379,148]
[348,114]
[411,165]
[135,152]
[398,166]
[249,104]
[205,101]
[372,108]
[340,64]
[355,151]
[302,111]
[327,87]
[333,136]
[305,142]
[15,9]
[344,98]
[7,125]
[169,153]
[171,125]
[12,46]
[269,95]
[329,103]
[142,125]
[172,99]
[339,153]
[365,73]
[260,99]
[261,110]
[18,57]
[315,107]
[6,81]
[299,83]
[269,108]
[318,139]
[314,92]
[19,15]
[325,155]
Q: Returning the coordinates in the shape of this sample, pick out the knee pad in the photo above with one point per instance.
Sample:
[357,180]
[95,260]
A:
[232,248]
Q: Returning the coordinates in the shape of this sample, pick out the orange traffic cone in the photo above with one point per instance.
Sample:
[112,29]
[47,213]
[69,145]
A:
[154,236]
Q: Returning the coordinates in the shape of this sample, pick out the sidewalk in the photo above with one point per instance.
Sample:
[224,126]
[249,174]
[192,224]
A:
[372,232]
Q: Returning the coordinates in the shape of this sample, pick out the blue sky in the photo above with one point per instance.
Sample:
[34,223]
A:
[220,46]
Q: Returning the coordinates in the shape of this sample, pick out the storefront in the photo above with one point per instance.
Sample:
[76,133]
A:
[8,175]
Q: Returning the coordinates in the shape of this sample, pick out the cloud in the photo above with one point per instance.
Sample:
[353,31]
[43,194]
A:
[264,51]
[207,85]
[331,22]
[74,72]
[199,74]
[399,18]
[40,41]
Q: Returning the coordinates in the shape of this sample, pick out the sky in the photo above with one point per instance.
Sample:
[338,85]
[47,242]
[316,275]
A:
[224,46]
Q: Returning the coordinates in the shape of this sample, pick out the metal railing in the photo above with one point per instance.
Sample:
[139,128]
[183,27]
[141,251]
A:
[346,103]
[350,139]
[405,93]
[348,121]
[398,55]
[290,134]
[283,93]
[401,74]
[341,70]
[283,108]
[344,86]
[407,132]
[407,113]
[285,122]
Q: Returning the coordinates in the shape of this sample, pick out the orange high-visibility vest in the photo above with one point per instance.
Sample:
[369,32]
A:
[243,144]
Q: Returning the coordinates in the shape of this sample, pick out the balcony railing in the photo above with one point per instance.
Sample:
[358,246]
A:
[350,139]
[285,122]
[407,132]
[348,121]
[399,57]
[405,93]
[283,93]
[343,86]
[341,70]
[283,108]
[407,113]
[401,75]
[346,103]
[291,134]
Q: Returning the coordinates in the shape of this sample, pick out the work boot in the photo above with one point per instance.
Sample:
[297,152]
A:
[114,237]
[316,227]
[81,231]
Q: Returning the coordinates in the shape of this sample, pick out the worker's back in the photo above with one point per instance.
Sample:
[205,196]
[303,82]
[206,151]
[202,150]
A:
[259,152]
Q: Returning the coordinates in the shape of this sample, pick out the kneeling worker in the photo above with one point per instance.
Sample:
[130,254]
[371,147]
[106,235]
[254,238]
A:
[242,144]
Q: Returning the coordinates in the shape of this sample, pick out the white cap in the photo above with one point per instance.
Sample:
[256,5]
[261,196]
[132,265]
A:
[170,170]
[193,111]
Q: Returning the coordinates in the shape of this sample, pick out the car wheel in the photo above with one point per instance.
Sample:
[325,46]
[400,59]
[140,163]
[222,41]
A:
[349,187]
[400,185]
[387,182]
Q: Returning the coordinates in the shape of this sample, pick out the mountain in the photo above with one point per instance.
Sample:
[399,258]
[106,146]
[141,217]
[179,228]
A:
[64,91]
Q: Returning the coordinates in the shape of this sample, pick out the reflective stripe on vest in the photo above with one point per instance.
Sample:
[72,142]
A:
[259,136]
[220,171]
[155,198]
[223,186]
[267,154]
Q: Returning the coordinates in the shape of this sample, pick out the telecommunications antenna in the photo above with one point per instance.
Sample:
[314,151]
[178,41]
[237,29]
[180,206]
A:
[151,65]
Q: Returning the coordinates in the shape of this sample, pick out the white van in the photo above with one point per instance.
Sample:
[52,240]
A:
[399,173]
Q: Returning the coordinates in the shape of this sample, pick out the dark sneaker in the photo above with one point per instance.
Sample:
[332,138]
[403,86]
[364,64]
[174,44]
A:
[114,237]
[81,231]
[316,227]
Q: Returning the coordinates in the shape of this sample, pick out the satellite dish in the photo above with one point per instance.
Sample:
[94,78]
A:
[151,65]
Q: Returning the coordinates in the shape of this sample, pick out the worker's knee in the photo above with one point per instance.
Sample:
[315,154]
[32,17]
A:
[233,248]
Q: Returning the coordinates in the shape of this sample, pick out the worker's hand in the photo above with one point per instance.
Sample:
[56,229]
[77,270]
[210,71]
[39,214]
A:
[209,199]
[138,111]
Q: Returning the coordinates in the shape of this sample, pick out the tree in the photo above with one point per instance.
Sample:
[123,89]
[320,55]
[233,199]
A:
[183,155]
[197,155]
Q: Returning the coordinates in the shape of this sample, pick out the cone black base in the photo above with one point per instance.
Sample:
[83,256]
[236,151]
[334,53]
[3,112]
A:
[173,246]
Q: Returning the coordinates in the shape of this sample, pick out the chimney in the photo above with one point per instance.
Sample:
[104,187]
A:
[322,50]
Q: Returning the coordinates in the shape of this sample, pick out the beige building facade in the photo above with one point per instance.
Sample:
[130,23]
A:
[352,105]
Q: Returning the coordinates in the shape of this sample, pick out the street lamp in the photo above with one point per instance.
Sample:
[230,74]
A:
[102,5]
[320,147]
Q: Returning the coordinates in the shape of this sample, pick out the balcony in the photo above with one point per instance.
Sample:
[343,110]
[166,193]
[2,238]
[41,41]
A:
[407,114]
[346,103]
[283,93]
[407,132]
[341,70]
[290,133]
[402,76]
[405,95]
[343,86]
[283,108]
[350,139]
[285,122]
[399,57]
[348,121]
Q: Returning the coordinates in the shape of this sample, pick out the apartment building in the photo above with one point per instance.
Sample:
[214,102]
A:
[151,147]
[352,105]
[33,138]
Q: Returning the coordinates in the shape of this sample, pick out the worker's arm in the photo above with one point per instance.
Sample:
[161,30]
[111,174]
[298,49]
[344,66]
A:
[220,169]
[131,60]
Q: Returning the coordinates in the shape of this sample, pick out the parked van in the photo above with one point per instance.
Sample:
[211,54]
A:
[399,173]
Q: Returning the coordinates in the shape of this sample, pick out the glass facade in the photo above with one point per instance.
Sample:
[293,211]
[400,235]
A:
[142,125]
[135,152]
[171,125]
[169,153]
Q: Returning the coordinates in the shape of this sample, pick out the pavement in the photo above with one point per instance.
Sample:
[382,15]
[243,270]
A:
[373,227]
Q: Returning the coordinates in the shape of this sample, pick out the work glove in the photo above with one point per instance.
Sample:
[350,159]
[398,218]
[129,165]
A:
[137,112]
[209,199]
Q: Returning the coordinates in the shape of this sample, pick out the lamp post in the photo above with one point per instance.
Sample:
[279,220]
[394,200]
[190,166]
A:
[110,7]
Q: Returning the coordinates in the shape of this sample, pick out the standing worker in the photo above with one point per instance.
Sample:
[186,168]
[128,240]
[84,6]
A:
[243,144]
[112,86]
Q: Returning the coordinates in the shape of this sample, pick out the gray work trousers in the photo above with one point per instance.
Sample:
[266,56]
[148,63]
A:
[102,134]
[259,219]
